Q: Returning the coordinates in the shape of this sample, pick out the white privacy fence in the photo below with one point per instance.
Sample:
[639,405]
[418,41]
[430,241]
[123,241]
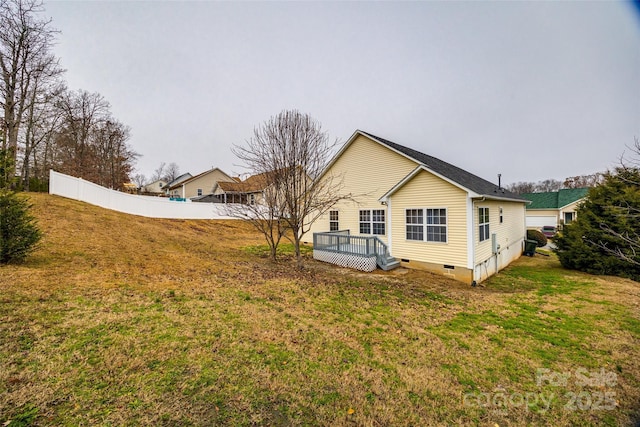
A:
[149,206]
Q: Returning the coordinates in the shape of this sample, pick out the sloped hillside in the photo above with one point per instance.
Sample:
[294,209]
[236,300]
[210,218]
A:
[85,245]
[122,320]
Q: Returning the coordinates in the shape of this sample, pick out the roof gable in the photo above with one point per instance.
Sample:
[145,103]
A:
[451,173]
[567,196]
[205,173]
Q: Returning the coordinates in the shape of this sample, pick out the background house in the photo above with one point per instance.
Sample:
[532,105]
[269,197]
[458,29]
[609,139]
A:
[199,186]
[154,188]
[431,215]
[173,188]
[248,191]
[554,207]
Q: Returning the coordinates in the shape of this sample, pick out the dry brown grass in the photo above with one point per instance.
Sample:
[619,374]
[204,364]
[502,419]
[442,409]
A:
[121,320]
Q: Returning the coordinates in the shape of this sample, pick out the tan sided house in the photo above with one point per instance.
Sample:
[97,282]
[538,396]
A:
[154,188]
[200,185]
[417,211]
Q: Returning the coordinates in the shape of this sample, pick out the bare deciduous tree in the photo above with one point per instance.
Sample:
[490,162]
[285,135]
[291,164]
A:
[583,181]
[290,152]
[159,173]
[171,172]
[81,111]
[166,172]
[25,43]
[90,143]
[547,185]
[139,180]
[522,187]
[41,122]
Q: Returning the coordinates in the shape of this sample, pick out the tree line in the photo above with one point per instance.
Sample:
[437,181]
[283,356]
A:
[45,124]
[580,181]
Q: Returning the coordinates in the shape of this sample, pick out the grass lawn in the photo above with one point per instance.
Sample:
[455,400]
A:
[121,320]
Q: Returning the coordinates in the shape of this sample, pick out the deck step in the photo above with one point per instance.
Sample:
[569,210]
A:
[390,264]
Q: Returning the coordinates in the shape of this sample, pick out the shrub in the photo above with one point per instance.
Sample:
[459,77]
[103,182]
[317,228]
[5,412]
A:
[605,237]
[19,233]
[537,236]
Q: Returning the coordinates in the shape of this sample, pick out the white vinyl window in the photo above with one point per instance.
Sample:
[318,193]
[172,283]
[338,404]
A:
[428,224]
[372,221]
[568,217]
[199,191]
[333,221]
[483,222]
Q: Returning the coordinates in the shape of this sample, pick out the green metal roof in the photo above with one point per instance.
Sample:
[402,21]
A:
[555,199]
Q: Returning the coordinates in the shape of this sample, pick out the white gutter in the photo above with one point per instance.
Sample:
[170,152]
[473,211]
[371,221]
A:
[471,247]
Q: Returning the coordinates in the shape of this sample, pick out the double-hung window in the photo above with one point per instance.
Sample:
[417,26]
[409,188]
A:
[377,221]
[428,224]
[333,221]
[436,225]
[483,222]
[372,221]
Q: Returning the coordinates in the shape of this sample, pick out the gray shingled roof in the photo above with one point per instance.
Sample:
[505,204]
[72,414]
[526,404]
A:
[465,179]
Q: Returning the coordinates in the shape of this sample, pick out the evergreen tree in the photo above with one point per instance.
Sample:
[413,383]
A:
[19,233]
[605,237]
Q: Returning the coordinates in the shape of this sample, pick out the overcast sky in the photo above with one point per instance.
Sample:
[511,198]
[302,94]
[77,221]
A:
[532,90]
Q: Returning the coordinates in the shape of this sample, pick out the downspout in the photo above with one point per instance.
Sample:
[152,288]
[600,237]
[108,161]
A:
[389,234]
[473,240]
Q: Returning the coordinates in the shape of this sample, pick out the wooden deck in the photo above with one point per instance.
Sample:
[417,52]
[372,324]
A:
[360,252]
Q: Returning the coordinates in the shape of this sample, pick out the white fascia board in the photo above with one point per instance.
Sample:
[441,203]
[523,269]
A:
[417,170]
[568,204]
[403,181]
[500,199]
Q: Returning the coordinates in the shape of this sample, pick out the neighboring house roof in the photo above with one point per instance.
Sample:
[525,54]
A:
[253,184]
[446,170]
[555,199]
[179,180]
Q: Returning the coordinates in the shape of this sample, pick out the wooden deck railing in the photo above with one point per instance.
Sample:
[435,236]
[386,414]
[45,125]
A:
[343,242]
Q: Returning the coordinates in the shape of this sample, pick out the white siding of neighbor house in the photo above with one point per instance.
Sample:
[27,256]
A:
[368,171]
[538,219]
[426,190]
[569,208]
[155,187]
